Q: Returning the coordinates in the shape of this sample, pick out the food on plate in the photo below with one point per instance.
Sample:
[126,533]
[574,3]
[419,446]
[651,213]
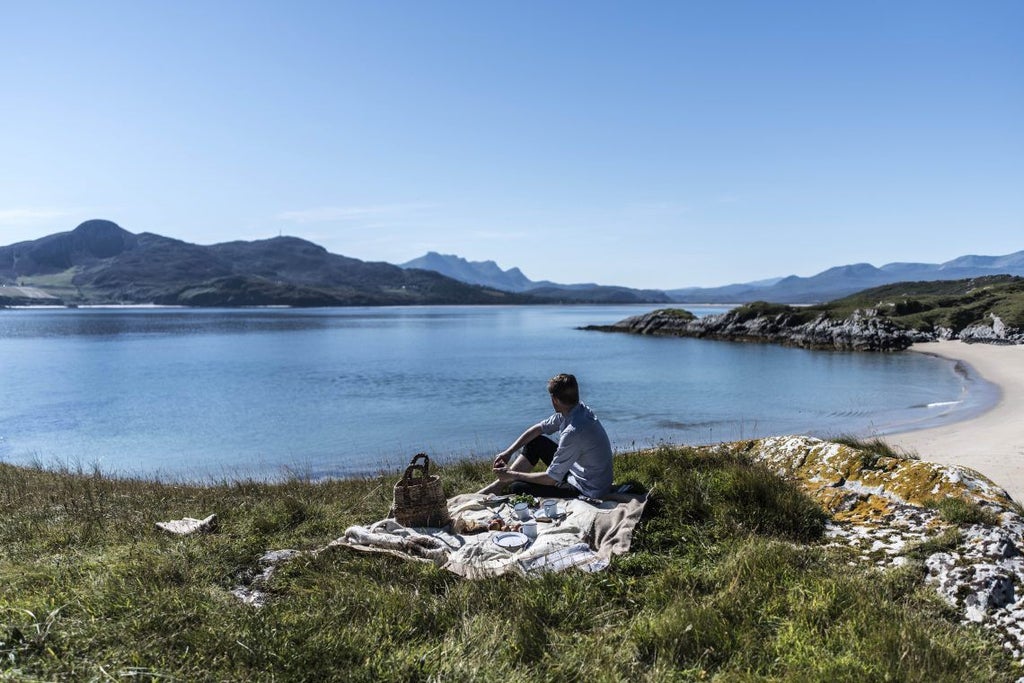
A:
[522,498]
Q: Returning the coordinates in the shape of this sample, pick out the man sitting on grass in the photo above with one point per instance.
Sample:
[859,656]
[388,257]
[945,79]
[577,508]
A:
[581,461]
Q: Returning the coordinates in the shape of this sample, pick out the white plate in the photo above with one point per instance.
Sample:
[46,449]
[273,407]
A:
[511,540]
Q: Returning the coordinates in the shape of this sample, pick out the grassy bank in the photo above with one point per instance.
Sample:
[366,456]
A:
[728,579]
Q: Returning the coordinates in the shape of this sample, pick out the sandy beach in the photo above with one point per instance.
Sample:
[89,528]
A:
[992,443]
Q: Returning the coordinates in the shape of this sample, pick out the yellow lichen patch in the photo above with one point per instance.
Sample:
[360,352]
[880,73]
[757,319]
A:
[833,500]
[806,459]
[818,464]
[868,509]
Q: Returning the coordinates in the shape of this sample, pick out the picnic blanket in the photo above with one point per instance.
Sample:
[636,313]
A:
[584,535]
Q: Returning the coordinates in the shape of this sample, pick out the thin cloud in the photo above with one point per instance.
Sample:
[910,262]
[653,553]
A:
[333,214]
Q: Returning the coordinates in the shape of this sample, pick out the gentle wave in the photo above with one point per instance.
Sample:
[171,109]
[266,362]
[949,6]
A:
[675,424]
[852,413]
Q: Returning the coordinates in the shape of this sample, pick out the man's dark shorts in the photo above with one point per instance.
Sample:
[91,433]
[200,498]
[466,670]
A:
[542,449]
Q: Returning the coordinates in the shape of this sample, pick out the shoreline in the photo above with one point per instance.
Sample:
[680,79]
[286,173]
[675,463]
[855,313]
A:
[991,443]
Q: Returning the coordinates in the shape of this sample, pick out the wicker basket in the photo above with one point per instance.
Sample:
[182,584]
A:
[419,500]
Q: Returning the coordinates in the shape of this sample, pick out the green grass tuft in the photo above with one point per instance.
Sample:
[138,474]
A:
[961,512]
[873,449]
[947,541]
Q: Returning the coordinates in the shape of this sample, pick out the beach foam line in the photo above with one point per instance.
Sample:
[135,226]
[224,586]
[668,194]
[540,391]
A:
[943,404]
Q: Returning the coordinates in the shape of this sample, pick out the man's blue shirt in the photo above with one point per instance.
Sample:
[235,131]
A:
[584,455]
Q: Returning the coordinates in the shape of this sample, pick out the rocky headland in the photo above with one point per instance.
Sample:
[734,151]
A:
[887,318]
[859,332]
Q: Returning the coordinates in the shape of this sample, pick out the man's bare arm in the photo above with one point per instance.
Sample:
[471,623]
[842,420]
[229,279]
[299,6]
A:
[506,475]
[526,437]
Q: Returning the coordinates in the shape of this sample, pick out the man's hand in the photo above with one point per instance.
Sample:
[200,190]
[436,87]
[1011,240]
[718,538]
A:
[504,474]
[501,460]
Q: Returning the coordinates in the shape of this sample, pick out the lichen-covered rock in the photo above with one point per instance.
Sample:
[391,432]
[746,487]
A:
[884,507]
[830,471]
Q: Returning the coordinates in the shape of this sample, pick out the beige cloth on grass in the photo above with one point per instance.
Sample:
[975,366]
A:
[584,535]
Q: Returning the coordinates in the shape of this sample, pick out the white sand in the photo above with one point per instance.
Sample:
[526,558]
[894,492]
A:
[992,443]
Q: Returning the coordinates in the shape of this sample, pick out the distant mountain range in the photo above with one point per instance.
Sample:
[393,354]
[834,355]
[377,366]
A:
[842,281]
[489,274]
[99,262]
[830,284]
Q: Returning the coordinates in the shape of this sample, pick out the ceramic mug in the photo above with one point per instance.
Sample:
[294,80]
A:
[530,529]
[522,511]
[551,508]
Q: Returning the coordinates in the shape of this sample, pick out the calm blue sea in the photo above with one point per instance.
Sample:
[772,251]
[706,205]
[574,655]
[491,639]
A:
[212,394]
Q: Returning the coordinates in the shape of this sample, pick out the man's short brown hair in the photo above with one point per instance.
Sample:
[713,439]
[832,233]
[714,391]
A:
[565,389]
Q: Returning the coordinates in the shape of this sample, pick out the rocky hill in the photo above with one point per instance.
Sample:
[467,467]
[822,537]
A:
[99,262]
[487,273]
[888,318]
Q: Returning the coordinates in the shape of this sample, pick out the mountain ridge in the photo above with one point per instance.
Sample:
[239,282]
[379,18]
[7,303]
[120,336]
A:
[489,274]
[832,283]
[844,280]
[100,262]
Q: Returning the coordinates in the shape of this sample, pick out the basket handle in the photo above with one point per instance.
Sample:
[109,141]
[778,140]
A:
[414,465]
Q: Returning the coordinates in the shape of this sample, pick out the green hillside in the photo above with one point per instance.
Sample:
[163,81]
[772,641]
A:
[922,306]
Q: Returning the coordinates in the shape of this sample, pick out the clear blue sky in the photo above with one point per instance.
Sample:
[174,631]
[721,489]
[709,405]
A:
[649,144]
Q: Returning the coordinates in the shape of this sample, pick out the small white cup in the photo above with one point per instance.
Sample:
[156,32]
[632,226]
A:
[522,511]
[551,508]
[530,529]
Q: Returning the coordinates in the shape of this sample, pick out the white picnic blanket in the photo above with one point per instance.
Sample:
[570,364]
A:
[583,535]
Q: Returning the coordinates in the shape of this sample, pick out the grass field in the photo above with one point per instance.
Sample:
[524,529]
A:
[728,580]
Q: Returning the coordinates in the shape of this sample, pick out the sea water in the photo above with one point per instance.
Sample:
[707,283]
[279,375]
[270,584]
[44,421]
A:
[268,393]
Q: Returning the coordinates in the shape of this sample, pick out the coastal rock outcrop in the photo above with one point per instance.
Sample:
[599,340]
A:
[889,318]
[963,533]
[862,331]
[993,331]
